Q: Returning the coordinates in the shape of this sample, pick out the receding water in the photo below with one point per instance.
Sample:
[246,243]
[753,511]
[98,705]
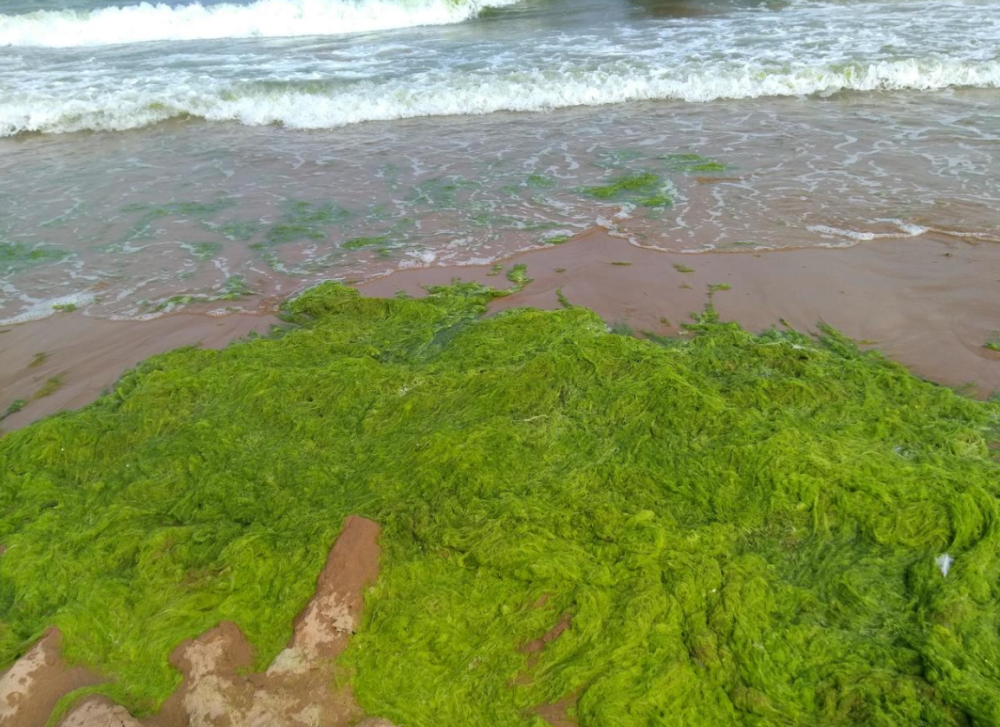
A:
[217,153]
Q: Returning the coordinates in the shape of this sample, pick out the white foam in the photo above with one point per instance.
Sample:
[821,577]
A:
[447,92]
[904,230]
[262,19]
[45,308]
[417,259]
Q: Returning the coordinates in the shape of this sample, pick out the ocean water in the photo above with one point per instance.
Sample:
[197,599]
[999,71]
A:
[217,154]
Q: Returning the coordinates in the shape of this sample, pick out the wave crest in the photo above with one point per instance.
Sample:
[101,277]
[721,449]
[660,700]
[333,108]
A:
[452,93]
[261,19]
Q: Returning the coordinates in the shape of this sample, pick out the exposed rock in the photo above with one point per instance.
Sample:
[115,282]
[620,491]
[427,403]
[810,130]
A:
[99,712]
[296,690]
[31,687]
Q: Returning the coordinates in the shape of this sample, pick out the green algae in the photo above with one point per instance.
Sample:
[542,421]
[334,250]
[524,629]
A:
[691,163]
[149,213]
[358,243]
[993,343]
[38,359]
[643,188]
[441,192]
[682,268]
[240,230]
[621,328]
[626,183]
[13,408]
[180,209]
[51,386]
[16,256]
[64,307]
[234,287]
[518,275]
[539,181]
[487,218]
[204,250]
[305,221]
[657,200]
[284,232]
[743,527]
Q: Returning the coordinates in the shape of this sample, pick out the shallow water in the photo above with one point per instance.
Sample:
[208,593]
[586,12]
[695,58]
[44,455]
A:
[150,165]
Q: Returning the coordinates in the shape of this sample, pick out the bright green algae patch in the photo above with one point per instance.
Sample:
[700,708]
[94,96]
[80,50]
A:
[644,188]
[744,528]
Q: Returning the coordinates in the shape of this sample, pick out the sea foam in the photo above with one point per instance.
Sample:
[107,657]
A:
[448,92]
[262,19]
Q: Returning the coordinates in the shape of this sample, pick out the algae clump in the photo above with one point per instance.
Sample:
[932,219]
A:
[692,163]
[16,256]
[743,529]
[303,220]
[644,188]
[357,243]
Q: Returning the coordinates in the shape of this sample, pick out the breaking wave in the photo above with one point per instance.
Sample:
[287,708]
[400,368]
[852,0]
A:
[447,92]
[262,19]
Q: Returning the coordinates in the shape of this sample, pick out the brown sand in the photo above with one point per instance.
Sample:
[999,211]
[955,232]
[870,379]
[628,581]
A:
[533,647]
[31,687]
[928,303]
[296,691]
[89,354]
[556,712]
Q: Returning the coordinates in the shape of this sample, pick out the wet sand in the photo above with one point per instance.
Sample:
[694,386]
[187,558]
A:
[928,303]
[89,354]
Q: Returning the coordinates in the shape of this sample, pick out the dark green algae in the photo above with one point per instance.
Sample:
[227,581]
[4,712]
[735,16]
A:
[743,527]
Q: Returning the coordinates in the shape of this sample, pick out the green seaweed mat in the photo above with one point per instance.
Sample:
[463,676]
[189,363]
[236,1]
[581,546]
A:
[743,528]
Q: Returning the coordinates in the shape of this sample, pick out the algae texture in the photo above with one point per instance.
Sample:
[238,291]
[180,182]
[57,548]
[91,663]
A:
[16,256]
[743,529]
[643,188]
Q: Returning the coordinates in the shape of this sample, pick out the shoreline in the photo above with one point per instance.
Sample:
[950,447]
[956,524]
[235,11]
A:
[88,355]
[927,303]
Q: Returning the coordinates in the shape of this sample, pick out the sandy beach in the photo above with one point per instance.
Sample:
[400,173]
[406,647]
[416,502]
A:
[87,355]
[928,303]
[503,363]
